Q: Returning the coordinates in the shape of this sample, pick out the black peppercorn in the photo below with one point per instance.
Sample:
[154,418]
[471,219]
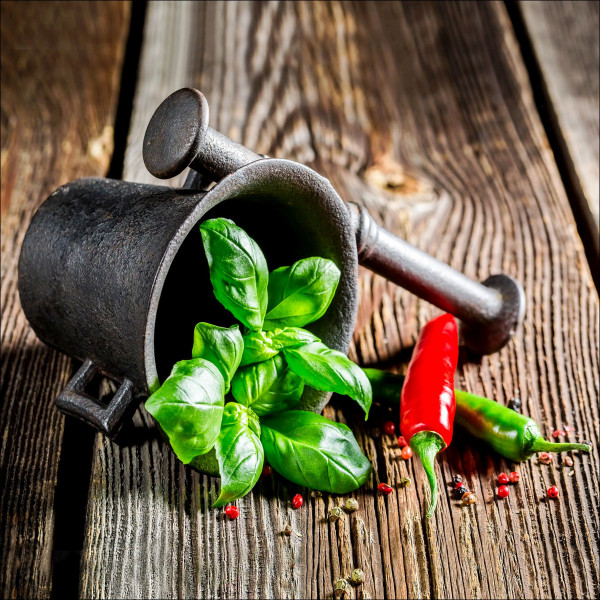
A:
[515,404]
[456,479]
[461,490]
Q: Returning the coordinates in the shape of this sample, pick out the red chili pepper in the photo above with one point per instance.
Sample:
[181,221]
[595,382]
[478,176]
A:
[427,402]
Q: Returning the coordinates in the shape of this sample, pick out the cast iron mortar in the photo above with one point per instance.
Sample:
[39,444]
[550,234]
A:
[113,273]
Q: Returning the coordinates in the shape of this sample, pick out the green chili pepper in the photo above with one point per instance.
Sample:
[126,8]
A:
[508,432]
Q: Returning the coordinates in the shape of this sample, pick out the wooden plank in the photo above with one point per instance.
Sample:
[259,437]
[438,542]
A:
[60,77]
[423,112]
[564,36]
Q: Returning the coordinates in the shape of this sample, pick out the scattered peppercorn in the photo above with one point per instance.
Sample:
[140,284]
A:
[389,428]
[297,501]
[503,491]
[384,488]
[335,514]
[553,492]
[402,442]
[406,452]
[503,478]
[545,458]
[514,477]
[340,588]
[267,471]
[558,433]
[459,484]
[288,530]
[351,504]
[461,490]
[404,482]
[515,404]
[456,479]
[233,512]
[357,576]
[568,461]
[469,498]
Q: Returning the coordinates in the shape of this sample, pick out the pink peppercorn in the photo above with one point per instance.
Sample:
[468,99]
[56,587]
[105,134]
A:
[406,452]
[503,491]
[545,458]
[503,478]
[514,477]
[553,492]
[558,433]
[402,442]
[384,488]
[233,512]
[389,428]
[297,501]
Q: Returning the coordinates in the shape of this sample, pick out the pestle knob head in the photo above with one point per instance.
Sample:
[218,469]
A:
[175,133]
[493,335]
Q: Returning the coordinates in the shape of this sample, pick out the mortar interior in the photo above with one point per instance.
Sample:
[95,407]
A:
[286,229]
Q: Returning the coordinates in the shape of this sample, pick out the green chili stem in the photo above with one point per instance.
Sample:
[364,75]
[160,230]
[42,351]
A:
[426,445]
[541,445]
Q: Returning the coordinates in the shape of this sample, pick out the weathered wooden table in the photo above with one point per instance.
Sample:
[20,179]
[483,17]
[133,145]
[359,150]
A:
[470,129]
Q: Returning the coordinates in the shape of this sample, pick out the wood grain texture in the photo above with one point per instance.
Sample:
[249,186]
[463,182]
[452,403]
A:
[565,39]
[58,106]
[423,112]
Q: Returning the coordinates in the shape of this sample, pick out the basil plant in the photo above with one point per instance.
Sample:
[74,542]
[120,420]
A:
[238,394]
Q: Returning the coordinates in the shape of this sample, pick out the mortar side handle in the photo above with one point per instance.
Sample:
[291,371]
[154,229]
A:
[107,418]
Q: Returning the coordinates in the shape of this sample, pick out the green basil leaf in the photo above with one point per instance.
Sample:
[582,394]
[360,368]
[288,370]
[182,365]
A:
[301,294]
[310,450]
[284,394]
[189,406]
[252,381]
[258,346]
[267,387]
[238,271]
[292,337]
[221,346]
[328,370]
[239,452]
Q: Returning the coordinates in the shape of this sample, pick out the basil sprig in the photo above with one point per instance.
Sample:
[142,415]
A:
[310,450]
[189,406]
[266,371]
[239,452]
[238,271]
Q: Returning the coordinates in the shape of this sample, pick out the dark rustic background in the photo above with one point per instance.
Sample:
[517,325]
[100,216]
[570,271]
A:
[470,129]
